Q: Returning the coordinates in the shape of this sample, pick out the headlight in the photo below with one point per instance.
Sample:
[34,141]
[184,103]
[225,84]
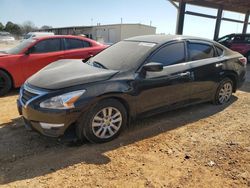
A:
[65,101]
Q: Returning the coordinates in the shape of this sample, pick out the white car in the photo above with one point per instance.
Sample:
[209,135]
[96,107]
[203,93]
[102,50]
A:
[37,34]
[6,37]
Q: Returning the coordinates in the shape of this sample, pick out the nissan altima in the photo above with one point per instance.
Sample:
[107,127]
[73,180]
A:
[139,76]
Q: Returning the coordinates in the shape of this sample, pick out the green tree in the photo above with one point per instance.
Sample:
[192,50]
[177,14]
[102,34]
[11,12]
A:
[9,26]
[16,30]
[13,28]
[1,27]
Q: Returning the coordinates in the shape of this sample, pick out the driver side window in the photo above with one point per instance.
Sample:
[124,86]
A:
[48,45]
[170,54]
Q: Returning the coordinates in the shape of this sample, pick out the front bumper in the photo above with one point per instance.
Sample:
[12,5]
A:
[47,122]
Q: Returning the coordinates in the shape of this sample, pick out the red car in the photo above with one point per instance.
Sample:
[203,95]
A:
[22,61]
[237,42]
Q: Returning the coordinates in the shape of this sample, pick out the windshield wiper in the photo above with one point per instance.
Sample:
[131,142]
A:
[95,64]
[98,65]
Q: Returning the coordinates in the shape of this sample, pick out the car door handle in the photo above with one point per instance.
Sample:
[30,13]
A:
[185,74]
[218,64]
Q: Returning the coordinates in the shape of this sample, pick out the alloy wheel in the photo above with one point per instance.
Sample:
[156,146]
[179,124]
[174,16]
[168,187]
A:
[225,92]
[107,122]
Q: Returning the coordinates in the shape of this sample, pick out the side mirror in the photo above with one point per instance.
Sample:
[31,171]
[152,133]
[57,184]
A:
[30,50]
[153,67]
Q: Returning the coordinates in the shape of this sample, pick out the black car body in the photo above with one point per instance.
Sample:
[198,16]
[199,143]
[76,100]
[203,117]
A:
[139,76]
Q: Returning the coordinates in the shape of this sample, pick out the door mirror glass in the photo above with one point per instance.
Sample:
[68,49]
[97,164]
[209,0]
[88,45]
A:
[153,67]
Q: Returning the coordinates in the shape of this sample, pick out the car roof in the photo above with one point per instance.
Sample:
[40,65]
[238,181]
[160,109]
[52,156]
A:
[159,39]
[237,34]
[59,36]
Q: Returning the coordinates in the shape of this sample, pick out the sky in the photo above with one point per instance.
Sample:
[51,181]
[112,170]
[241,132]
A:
[162,15]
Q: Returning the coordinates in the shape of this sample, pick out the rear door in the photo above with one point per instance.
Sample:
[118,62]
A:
[171,85]
[205,66]
[42,53]
[77,49]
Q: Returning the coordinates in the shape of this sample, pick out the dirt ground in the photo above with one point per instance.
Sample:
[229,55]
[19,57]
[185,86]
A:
[198,146]
[7,45]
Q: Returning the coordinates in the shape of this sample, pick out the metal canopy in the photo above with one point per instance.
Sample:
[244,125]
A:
[241,6]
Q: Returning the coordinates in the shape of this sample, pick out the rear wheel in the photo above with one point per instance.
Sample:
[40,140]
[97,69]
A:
[224,92]
[5,83]
[103,122]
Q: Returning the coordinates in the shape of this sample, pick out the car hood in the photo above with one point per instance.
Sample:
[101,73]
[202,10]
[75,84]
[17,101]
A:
[68,72]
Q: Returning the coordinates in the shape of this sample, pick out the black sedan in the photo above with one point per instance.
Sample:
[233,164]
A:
[139,76]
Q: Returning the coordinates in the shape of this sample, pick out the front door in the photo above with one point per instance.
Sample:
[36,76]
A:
[169,86]
[42,53]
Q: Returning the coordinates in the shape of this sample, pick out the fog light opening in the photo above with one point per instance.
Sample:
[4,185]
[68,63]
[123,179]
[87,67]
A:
[49,125]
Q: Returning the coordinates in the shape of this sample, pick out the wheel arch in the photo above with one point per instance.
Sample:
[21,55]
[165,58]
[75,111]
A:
[11,77]
[232,76]
[117,96]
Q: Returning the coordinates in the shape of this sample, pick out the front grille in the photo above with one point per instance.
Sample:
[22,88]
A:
[27,95]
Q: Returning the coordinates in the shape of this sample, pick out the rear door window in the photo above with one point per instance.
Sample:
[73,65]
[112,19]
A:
[199,51]
[170,54]
[48,45]
[75,44]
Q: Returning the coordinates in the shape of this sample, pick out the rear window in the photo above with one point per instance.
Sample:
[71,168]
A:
[199,51]
[75,44]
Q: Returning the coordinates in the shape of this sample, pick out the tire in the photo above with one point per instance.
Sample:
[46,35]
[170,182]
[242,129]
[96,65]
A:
[248,57]
[5,83]
[224,92]
[97,124]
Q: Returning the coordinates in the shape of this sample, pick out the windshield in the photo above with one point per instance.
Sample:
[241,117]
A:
[225,39]
[17,49]
[27,36]
[124,55]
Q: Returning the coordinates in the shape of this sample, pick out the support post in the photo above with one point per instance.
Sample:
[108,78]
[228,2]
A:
[244,31]
[180,17]
[218,23]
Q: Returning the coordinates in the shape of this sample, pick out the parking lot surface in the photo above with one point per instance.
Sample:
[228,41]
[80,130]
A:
[198,146]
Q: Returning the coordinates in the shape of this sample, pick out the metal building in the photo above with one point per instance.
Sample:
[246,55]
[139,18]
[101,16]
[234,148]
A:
[241,6]
[106,33]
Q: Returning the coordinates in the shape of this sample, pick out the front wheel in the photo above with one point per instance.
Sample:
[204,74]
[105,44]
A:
[103,122]
[5,83]
[224,92]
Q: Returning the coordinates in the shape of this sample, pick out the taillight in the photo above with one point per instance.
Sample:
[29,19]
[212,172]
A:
[243,60]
